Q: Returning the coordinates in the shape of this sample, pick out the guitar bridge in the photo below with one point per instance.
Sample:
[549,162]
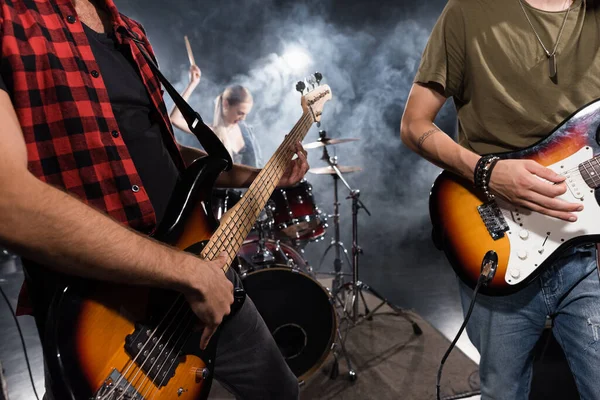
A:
[493,219]
[117,387]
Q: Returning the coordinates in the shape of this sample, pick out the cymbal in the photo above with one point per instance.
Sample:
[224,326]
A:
[328,142]
[330,171]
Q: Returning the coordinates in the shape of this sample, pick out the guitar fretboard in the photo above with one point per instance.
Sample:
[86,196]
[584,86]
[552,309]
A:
[590,171]
[234,229]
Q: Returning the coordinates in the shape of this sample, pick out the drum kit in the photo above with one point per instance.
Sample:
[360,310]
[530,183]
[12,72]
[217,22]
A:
[304,317]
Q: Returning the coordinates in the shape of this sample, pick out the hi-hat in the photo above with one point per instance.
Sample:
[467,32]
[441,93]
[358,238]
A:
[330,171]
[327,142]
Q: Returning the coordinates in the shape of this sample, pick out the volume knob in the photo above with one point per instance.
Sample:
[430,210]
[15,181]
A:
[522,254]
[524,234]
[515,273]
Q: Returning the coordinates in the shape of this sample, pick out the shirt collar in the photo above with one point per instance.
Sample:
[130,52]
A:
[108,5]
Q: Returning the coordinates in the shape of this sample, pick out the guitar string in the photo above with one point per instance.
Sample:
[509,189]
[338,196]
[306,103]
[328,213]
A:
[245,216]
[144,376]
[284,157]
[189,333]
[276,160]
[593,168]
[140,367]
[170,353]
[251,211]
[186,338]
[281,157]
[594,175]
[187,328]
[132,362]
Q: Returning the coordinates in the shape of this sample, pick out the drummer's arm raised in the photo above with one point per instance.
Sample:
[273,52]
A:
[176,117]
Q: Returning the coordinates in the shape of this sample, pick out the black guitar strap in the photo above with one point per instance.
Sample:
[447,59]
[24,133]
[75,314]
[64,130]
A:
[207,138]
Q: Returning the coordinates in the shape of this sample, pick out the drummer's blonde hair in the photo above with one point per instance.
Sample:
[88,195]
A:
[234,95]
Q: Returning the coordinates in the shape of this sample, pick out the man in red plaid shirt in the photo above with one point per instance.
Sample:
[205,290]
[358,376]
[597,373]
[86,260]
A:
[88,163]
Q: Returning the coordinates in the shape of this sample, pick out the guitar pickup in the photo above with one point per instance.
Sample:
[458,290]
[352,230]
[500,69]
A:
[494,220]
[158,360]
[576,186]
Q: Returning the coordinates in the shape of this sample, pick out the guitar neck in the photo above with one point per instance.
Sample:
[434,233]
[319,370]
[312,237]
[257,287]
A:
[239,222]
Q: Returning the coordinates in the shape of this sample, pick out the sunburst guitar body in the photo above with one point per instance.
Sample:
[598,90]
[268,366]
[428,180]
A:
[466,226]
[124,342]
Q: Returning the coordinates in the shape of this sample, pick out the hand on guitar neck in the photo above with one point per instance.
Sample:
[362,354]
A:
[527,183]
[296,169]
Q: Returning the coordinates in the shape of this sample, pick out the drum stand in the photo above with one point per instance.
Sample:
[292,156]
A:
[354,289]
[335,242]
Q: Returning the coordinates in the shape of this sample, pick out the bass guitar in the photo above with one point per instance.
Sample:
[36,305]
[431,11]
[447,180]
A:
[466,225]
[113,342]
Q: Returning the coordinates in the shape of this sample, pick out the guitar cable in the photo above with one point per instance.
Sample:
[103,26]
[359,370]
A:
[488,271]
[12,312]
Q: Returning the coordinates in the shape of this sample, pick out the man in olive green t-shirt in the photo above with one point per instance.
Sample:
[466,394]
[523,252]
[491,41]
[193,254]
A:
[516,69]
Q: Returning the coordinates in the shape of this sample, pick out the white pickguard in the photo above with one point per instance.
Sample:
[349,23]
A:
[534,237]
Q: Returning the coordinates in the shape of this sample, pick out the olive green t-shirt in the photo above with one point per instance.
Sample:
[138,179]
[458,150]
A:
[486,56]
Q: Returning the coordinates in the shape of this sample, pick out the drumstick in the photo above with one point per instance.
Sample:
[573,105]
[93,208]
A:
[189,51]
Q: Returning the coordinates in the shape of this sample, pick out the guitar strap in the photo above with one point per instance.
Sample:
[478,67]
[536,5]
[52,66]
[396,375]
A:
[207,138]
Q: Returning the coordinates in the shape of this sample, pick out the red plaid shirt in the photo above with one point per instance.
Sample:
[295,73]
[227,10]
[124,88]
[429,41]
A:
[56,87]
[57,90]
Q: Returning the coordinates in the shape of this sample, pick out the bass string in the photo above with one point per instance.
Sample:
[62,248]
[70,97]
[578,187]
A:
[132,362]
[185,339]
[129,379]
[277,159]
[189,318]
[269,170]
[272,175]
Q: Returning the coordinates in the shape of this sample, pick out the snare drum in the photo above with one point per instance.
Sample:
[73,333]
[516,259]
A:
[297,309]
[296,215]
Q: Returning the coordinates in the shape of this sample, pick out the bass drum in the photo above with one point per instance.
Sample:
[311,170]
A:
[297,309]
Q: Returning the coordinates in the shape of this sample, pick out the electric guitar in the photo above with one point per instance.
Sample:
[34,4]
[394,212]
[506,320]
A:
[466,226]
[112,342]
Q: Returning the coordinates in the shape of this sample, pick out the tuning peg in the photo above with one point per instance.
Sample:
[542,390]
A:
[300,86]
[308,81]
[318,77]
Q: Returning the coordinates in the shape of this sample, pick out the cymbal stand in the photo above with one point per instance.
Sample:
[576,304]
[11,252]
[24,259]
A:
[355,288]
[338,280]
[335,244]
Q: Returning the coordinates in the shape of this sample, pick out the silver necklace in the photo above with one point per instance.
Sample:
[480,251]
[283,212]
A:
[551,55]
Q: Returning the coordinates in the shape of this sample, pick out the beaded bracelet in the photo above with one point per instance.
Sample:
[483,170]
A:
[480,168]
[483,173]
[487,176]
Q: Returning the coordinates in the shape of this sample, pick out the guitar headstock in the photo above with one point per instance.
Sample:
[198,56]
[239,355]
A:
[314,95]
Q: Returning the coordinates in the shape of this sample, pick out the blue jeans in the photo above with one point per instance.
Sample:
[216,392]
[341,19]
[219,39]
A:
[505,329]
